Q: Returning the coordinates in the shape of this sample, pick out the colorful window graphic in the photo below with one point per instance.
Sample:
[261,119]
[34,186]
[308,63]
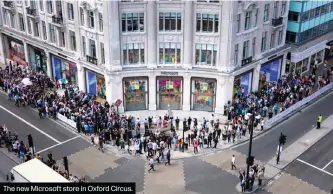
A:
[203,86]
[135,85]
[203,94]
[169,85]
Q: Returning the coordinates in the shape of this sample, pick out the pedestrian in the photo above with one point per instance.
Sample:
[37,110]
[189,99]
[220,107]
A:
[260,177]
[168,156]
[243,185]
[195,146]
[319,120]
[151,164]
[233,166]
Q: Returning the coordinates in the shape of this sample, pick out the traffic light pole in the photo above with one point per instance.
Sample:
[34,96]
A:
[247,182]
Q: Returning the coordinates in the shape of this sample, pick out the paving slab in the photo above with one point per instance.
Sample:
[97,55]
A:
[165,179]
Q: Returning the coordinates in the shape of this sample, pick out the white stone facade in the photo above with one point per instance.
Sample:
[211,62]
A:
[150,42]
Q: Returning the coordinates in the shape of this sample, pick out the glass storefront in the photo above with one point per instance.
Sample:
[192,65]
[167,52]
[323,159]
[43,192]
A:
[95,84]
[243,84]
[329,50]
[16,52]
[37,59]
[270,71]
[63,69]
[203,93]
[169,93]
[135,93]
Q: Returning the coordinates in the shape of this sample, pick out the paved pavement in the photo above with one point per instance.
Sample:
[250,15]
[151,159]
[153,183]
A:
[264,146]
[315,166]
[6,165]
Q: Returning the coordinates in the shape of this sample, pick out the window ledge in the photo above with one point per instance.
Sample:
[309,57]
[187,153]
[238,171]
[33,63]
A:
[248,31]
[267,22]
[205,66]
[170,32]
[70,22]
[132,33]
[207,34]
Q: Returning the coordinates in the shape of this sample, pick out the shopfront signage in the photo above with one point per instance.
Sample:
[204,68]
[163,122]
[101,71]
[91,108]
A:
[169,73]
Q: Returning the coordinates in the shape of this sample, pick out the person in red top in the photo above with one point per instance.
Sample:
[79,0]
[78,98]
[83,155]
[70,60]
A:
[195,146]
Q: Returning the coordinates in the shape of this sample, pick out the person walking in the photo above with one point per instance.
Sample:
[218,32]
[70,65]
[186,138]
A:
[319,120]
[168,156]
[151,164]
[233,166]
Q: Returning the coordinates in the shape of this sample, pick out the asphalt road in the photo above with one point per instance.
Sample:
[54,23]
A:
[264,147]
[47,135]
[315,166]
[6,165]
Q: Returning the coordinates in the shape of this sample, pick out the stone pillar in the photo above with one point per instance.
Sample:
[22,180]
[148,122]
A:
[81,77]
[188,35]
[224,92]
[187,93]
[2,53]
[225,48]
[255,77]
[152,92]
[115,37]
[114,90]
[58,37]
[108,88]
[49,64]
[151,35]
[26,52]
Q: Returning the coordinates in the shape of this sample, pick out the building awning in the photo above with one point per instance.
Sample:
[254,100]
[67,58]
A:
[299,56]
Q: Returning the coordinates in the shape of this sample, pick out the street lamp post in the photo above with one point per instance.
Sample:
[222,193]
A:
[249,160]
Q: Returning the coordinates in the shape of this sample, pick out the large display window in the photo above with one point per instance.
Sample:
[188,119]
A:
[135,93]
[203,92]
[243,84]
[95,84]
[37,59]
[16,52]
[169,93]
[63,69]
[329,50]
[270,71]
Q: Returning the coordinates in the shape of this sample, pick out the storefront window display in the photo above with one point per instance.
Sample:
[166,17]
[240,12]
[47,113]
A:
[242,85]
[270,71]
[320,56]
[37,59]
[16,52]
[329,50]
[169,93]
[203,94]
[95,84]
[63,69]
[135,93]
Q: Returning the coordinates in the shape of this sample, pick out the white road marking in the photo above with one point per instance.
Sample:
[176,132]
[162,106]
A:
[315,167]
[57,144]
[32,126]
[327,164]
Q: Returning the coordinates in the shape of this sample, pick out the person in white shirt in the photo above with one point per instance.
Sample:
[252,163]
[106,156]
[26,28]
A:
[233,166]
[154,147]
[151,164]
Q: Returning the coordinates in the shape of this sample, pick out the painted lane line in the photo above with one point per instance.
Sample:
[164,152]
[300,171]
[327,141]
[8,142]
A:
[56,145]
[315,167]
[327,164]
[32,126]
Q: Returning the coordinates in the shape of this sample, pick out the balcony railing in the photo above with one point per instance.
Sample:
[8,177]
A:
[277,22]
[246,61]
[8,4]
[31,11]
[57,20]
[92,60]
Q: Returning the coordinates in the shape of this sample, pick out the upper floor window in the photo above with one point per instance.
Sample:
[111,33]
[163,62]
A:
[21,22]
[5,16]
[293,16]
[49,6]
[272,45]
[263,41]
[81,16]
[208,1]
[72,40]
[44,30]
[91,19]
[169,53]
[205,54]
[248,19]
[245,49]
[52,34]
[132,22]
[238,22]
[170,21]
[280,37]
[283,8]
[275,9]
[256,12]
[133,53]
[236,54]
[36,29]
[100,19]
[266,12]
[41,5]
[207,22]
[92,48]
[70,11]
[102,53]
[254,46]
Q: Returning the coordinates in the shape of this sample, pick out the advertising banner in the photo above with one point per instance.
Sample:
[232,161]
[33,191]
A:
[245,82]
[56,68]
[271,70]
[91,83]
[16,53]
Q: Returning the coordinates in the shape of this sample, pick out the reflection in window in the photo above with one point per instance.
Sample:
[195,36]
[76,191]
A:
[207,22]
[169,53]
[170,21]
[133,53]
[203,94]
[132,22]
[135,94]
[205,54]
